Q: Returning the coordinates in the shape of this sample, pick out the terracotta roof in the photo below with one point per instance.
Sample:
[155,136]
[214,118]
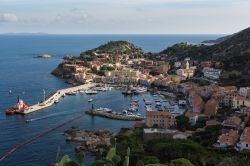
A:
[212,122]
[211,107]
[233,120]
[229,138]
[245,136]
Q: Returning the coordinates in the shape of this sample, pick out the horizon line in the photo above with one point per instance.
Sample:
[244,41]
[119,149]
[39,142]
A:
[44,33]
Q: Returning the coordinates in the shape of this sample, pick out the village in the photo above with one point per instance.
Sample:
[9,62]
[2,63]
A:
[206,105]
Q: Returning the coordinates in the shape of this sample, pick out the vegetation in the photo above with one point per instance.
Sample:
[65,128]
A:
[209,136]
[113,48]
[66,161]
[233,52]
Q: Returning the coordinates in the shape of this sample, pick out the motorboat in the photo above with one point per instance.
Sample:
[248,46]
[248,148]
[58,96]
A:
[90,100]
[148,102]
[71,93]
[91,92]
[56,101]
[141,90]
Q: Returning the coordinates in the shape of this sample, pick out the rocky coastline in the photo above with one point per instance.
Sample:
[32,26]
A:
[89,141]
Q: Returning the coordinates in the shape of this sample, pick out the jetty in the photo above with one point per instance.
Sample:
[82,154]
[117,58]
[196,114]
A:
[112,115]
[54,97]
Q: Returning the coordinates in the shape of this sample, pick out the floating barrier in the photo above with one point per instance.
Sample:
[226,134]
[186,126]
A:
[38,136]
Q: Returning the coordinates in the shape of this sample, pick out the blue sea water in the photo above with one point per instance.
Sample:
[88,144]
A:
[26,76]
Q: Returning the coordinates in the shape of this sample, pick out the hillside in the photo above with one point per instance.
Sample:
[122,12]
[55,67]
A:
[233,53]
[114,48]
[217,41]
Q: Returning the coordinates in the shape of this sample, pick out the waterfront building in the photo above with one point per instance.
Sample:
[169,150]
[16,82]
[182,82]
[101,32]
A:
[126,72]
[162,119]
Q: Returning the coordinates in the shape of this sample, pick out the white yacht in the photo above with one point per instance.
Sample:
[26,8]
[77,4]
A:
[141,90]
[91,92]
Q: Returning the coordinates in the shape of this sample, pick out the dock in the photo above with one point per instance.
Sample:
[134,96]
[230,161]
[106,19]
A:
[49,101]
[114,116]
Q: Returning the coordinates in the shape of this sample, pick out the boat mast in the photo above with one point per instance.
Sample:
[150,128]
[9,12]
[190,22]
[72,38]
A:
[43,95]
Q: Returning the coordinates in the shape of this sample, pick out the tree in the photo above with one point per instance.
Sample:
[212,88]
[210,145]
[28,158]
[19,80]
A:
[66,161]
[180,162]
[182,122]
[150,160]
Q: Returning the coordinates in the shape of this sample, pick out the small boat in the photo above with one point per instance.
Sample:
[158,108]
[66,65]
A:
[141,90]
[148,102]
[133,109]
[91,92]
[90,100]
[82,91]
[56,101]
[158,104]
[157,100]
[124,112]
[107,110]
[134,101]
[71,93]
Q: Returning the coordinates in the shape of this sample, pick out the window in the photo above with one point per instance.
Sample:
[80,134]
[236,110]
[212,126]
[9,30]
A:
[246,145]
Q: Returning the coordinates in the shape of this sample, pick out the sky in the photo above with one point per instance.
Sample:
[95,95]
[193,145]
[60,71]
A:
[124,16]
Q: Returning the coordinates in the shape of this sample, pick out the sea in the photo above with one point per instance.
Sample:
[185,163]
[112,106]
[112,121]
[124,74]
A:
[23,75]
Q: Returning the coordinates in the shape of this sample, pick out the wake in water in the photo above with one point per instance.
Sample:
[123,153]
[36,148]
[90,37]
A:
[49,116]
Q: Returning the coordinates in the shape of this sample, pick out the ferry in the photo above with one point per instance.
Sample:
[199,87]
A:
[18,108]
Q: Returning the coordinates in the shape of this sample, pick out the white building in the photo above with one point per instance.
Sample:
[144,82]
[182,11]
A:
[245,92]
[211,73]
[187,72]
[244,143]
[177,64]
[123,73]
[192,117]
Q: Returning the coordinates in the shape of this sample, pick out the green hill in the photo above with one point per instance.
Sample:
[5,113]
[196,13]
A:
[114,48]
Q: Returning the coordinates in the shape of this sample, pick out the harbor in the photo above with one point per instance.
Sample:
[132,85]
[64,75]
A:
[56,96]
[114,115]
[22,108]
